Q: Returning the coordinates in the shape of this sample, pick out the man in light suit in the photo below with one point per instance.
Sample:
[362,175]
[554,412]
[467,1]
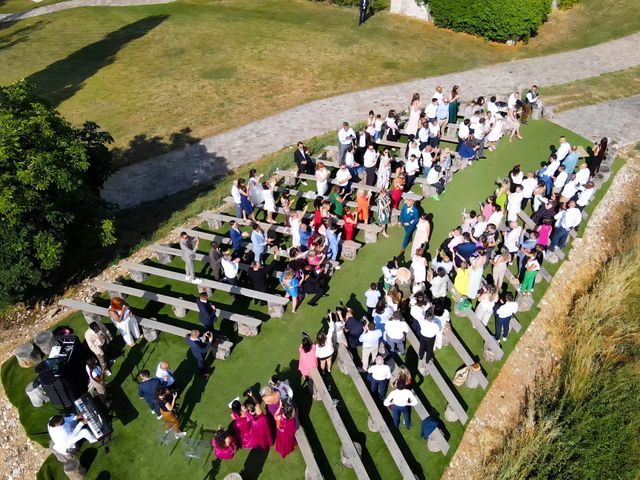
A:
[188,246]
[364,7]
[258,242]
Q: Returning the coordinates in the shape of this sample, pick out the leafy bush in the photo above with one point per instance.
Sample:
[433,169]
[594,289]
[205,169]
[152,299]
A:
[50,177]
[498,20]
[568,3]
[375,5]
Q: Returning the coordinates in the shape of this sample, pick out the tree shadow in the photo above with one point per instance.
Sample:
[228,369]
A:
[20,35]
[62,79]
[143,146]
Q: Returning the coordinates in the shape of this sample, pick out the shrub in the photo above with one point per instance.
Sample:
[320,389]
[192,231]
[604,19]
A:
[568,3]
[375,5]
[498,20]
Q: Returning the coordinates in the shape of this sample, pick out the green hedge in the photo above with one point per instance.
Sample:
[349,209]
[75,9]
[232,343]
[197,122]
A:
[375,5]
[498,20]
[568,3]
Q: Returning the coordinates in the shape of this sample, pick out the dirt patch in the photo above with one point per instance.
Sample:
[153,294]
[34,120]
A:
[539,346]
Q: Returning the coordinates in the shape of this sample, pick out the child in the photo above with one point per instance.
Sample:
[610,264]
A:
[372,295]
[378,127]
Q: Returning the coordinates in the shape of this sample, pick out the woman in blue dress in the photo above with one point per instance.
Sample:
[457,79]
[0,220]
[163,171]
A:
[290,283]
[245,201]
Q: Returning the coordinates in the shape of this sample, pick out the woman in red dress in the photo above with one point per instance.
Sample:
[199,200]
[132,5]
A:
[224,445]
[349,224]
[396,191]
[286,432]
[241,423]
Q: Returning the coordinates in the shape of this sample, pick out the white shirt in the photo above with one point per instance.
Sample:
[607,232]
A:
[235,193]
[414,151]
[463,131]
[585,196]
[511,102]
[229,268]
[438,96]
[508,309]
[514,200]
[551,168]
[479,228]
[532,97]
[371,339]
[372,297]
[346,136]
[495,218]
[370,158]
[64,436]
[380,372]
[428,329]
[492,108]
[431,110]
[349,159]
[479,131]
[561,179]
[434,130]
[571,218]
[423,134]
[164,375]
[528,186]
[570,189]
[411,167]
[582,177]
[433,176]
[401,398]
[327,350]
[378,124]
[563,150]
[512,238]
[517,179]
[447,266]
[342,176]
[396,329]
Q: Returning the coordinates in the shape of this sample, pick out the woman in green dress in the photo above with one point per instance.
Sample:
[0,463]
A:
[454,104]
[384,211]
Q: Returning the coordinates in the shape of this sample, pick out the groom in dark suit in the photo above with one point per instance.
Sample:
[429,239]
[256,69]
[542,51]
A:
[364,7]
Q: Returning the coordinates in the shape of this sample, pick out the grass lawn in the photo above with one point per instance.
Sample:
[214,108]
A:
[254,359]
[605,87]
[161,75]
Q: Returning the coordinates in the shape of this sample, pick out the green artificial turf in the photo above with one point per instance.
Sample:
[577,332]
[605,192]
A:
[135,451]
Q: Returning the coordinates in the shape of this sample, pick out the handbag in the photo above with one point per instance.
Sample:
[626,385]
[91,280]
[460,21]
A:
[460,376]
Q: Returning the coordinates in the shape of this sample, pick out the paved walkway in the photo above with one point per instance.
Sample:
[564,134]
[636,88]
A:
[620,120]
[178,170]
[56,7]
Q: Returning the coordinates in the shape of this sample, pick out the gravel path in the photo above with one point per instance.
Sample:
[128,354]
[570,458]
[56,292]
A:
[178,170]
[56,7]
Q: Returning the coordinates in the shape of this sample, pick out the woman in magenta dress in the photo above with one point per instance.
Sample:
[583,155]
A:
[241,423]
[307,360]
[261,428]
[286,433]
[224,445]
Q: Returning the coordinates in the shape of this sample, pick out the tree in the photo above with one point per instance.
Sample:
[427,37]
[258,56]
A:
[50,177]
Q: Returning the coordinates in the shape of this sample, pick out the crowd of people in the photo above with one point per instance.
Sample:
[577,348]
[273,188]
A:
[414,295]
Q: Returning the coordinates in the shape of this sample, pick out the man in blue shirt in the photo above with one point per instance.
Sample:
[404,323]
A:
[207,311]
[199,347]
[333,238]
[147,391]
[409,216]
[258,243]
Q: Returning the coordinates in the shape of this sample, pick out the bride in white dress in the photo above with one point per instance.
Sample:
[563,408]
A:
[124,321]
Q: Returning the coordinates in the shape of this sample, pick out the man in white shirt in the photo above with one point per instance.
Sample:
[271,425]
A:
[503,314]
[379,375]
[512,103]
[463,132]
[230,269]
[435,178]
[582,177]
[401,400]
[431,110]
[560,179]
[411,168]
[343,178]
[65,432]
[570,189]
[372,296]
[563,149]
[512,239]
[394,331]
[479,133]
[438,94]
[529,184]
[346,136]
[514,204]
[235,194]
[428,331]
[547,173]
[439,286]
[530,101]
[496,217]
[567,221]
[585,195]
[370,340]
[370,161]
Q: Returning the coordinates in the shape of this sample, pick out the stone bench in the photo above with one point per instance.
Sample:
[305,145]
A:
[454,404]
[451,338]
[93,313]
[376,421]
[247,326]
[351,455]
[312,471]
[275,303]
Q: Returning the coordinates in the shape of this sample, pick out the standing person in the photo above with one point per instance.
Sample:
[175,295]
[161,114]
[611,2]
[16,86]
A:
[363,200]
[291,285]
[395,331]
[353,328]
[500,264]
[370,162]
[428,331]
[476,268]
[346,136]
[372,296]
[383,175]
[333,239]
[165,375]
[379,375]
[400,400]
[307,359]
[568,220]
[324,347]
[65,432]
[503,312]
[230,268]
[97,338]
[245,202]
[258,242]
[409,217]
[364,8]
[255,187]
[384,211]
[241,423]
[454,104]
[599,154]
[439,286]
[286,433]
[96,379]
[303,161]
[213,260]
[200,347]
[322,179]
[370,339]
[411,168]
[188,248]
[269,201]
[147,388]
[166,400]
[235,194]
[124,321]
[259,276]
[415,109]
[421,238]
[530,101]
[207,311]
[531,270]
[236,236]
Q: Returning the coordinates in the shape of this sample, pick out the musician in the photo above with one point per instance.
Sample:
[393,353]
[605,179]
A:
[65,432]
[97,337]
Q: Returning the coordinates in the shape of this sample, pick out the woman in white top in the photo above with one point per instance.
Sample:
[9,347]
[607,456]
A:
[124,321]
[324,348]
[384,171]
[269,202]
[475,276]
[322,179]
[421,236]
[255,187]
[295,219]
[495,133]
[414,115]
[419,269]
[486,301]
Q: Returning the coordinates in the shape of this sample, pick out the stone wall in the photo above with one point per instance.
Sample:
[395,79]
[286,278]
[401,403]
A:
[411,8]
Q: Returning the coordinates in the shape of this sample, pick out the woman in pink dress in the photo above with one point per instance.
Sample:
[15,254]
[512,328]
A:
[544,232]
[224,445]
[286,433]
[261,429]
[414,115]
[307,359]
[241,423]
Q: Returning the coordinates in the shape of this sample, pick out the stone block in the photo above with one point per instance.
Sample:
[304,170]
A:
[214,224]
[345,459]
[432,444]
[450,415]
[372,425]
[371,234]
[395,217]
[428,190]
[247,330]
[27,355]
[150,334]
[73,470]
[276,310]
[178,310]
[349,250]
[45,342]
[222,349]
[164,258]
[92,317]
[490,353]
[472,379]
[36,395]
[139,277]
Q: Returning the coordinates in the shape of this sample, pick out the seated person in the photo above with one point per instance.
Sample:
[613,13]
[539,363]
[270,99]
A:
[435,178]
[65,432]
